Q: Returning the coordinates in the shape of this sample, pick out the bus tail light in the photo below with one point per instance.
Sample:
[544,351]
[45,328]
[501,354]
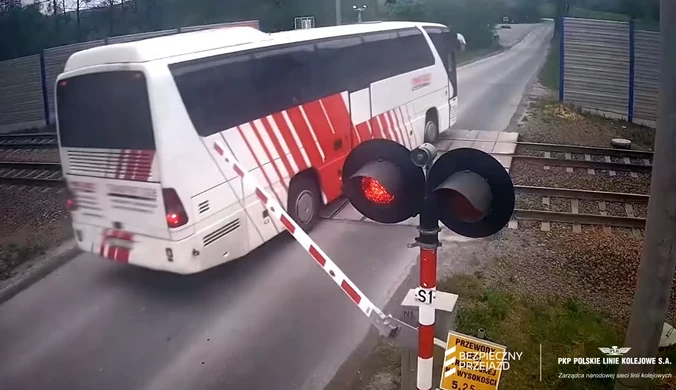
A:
[175,212]
[71,202]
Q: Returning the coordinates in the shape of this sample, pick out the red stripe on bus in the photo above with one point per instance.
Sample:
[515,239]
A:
[317,256]
[147,170]
[395,129]
[258,164]
[410,118]
[338,114]
[268,154]
[375,127]
[132,165]
[322,128]
[278,146]
[290,140]
[287,224]
[388,127]
[303,131]
[347,287]
[404,132]
[123,255]
[404,117]
[118,166]
[261,196]
[364,132]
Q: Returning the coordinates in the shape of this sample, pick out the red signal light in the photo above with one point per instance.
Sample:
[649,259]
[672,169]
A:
[375,192]
[461,207]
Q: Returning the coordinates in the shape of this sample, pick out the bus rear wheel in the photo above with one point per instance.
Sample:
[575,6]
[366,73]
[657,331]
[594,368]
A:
[431,129]
[305,200]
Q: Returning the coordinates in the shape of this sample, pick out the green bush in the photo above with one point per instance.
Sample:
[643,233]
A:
[472,18]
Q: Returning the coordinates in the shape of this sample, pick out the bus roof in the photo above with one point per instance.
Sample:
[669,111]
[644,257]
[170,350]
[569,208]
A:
[212,42]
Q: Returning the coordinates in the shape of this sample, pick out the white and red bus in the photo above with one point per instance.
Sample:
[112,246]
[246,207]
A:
[137,122]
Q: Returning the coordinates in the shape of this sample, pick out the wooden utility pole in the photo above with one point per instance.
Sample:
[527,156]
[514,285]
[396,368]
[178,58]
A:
[656,272]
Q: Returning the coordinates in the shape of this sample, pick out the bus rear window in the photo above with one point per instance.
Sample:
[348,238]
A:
[108,110]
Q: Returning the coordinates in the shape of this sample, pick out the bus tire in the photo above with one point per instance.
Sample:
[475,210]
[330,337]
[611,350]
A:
[431,127]
[305,201]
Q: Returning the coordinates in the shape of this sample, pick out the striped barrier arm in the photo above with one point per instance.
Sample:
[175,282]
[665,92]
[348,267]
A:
[387,325]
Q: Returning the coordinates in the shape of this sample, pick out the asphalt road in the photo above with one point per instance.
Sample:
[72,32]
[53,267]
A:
[270,320]
[490,90]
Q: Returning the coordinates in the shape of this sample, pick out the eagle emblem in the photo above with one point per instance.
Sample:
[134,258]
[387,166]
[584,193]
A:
[614,351]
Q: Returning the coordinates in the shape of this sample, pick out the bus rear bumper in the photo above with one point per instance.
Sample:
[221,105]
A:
[186,256]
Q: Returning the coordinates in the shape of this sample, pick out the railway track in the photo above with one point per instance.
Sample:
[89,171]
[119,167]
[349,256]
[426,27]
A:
[49,174]
[545,215]
[28,141]
[590,158]
[31,173]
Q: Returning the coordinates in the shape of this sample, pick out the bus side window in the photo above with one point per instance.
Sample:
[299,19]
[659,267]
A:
[284,77]
[439,40]
[414,50]
[380,58]
[339,61]
[218,92]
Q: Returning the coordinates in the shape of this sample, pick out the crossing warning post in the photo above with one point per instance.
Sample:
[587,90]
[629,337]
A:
[465,189]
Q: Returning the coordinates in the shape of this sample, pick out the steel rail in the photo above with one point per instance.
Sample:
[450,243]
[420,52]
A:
[582,219]
[586,150]
[28,141]
[613,166]
[583,194]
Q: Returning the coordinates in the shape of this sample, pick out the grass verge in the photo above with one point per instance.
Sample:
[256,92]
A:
[564,328]
[549,75]
[578,12]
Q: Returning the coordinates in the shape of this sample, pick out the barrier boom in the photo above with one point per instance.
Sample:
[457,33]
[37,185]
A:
[387,325]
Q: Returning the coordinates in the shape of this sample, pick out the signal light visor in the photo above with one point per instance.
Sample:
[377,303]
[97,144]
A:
[467,195]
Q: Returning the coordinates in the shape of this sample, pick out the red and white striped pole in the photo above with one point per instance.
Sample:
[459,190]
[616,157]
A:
[426,317]
[428,241]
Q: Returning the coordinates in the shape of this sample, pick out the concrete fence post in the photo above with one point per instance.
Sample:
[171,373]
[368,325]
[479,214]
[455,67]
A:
[561,58]
[632,34]
[43,82]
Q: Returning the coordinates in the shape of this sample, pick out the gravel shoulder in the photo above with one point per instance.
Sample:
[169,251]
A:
[32,219]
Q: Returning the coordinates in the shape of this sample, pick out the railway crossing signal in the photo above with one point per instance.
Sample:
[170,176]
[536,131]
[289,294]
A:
[465,189]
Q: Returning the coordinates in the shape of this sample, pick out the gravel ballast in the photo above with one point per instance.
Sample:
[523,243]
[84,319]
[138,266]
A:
[35,155]
[534,174]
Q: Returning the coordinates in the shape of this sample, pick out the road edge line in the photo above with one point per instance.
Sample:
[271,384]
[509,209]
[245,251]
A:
[37,268]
